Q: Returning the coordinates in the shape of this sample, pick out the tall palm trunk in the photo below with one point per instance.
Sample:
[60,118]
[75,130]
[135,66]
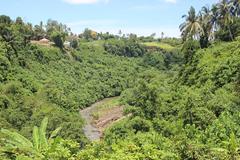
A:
[230,32]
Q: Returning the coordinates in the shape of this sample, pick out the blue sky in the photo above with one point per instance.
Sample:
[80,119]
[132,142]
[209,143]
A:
[142,17]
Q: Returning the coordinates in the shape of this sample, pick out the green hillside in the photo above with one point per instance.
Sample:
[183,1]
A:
[103,96]
[43,81]
[196,116]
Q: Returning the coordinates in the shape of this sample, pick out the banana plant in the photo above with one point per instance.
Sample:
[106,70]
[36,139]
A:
[15,141]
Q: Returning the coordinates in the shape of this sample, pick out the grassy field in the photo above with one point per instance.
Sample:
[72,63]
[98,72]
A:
[104,106]
[161,45]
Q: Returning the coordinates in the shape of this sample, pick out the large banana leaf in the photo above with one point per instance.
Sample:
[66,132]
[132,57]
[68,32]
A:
[36,138]
[17,139]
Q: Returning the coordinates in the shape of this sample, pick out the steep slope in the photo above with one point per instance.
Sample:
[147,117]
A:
[43,81]
[191,115]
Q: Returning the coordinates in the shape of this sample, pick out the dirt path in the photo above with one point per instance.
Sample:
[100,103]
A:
[93,128]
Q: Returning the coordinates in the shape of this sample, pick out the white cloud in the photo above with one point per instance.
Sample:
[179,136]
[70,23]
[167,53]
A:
[171,1]
[85,1]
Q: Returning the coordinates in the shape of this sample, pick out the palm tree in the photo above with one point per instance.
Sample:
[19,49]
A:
[225,18]
[214,17]
[191,28]
[162,35]
[207,23]
[235,7]
[16,141]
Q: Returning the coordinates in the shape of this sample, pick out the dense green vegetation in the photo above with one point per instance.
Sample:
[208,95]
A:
[194,117]
[220,22]
[181,97]
[127,47]
[39,81]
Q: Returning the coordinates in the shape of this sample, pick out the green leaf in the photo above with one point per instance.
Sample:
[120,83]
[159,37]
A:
[42,134]
[17,139]
[55,132]
[233,143]
[36,137]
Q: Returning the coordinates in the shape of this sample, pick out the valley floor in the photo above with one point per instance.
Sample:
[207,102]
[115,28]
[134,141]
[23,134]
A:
[99,116]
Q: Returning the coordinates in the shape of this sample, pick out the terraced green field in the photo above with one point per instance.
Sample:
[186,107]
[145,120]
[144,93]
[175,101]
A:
[161,45]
